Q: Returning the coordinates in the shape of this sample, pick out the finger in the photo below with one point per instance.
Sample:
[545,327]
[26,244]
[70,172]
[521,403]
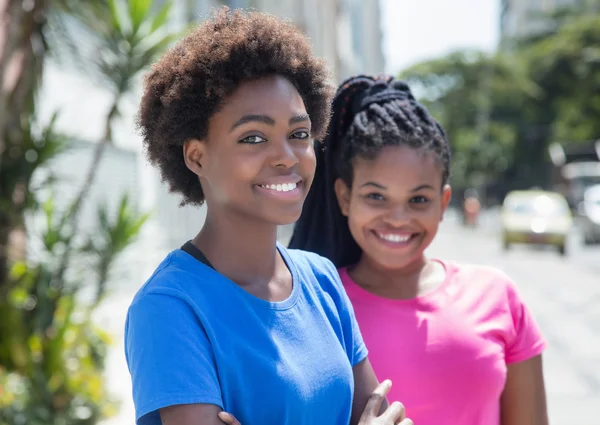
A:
[376,399]
[229,419]
[395,413]
[406,422]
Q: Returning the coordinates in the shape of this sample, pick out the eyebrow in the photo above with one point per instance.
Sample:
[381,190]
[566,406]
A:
[377,185]
[380,186]
[265,119]
[423,186]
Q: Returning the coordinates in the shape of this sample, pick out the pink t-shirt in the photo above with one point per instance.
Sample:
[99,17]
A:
[446,352]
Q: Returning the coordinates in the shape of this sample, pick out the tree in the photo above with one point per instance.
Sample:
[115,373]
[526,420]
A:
[51,353]
[479,99]
[566,66]
[125,41]
[115,41]
[24,47]
[502,111]
[22,51]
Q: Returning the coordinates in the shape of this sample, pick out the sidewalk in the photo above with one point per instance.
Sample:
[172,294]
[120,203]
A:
[112,316]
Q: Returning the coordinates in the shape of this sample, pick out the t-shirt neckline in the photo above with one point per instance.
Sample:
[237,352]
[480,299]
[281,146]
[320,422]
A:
[201,268]
[431,300]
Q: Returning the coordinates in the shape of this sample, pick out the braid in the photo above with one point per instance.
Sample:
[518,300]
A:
[369,113]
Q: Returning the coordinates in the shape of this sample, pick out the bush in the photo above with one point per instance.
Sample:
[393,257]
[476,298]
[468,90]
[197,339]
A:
[51,353]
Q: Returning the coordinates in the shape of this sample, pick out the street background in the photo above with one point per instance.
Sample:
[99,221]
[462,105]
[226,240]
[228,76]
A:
[84,220]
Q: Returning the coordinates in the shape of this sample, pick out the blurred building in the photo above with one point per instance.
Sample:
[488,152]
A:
[347,33]
[524,18]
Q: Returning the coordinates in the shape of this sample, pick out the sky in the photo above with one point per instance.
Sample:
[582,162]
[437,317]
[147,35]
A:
[416,30]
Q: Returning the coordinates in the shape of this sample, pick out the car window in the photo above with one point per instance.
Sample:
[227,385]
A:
[538,205]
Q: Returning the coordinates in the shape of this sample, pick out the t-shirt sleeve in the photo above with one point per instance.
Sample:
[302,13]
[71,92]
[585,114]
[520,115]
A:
[353,340]
[169,355]
[526,339]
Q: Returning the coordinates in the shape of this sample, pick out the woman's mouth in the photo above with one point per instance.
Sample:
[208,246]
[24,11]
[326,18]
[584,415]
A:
[285,191]
[284,187]
[397,239]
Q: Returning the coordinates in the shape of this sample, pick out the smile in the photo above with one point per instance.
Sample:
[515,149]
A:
[285,187]
[395,237]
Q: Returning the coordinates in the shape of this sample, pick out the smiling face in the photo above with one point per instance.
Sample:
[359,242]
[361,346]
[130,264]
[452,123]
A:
[395,205]
[258,158]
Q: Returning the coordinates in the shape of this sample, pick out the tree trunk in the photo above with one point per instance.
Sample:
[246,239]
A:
[112,113]
[21,59]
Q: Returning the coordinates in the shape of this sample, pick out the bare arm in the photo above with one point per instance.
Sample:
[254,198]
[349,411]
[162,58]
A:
[524,398]
[365,383]
[369,406]
[191,414]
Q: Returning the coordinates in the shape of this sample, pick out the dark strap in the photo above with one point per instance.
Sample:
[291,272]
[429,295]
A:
[191,249]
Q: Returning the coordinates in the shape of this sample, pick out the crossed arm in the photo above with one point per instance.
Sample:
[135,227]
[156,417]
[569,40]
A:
[367,403]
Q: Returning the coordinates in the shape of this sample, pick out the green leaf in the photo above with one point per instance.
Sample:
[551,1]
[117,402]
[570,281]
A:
[160,20]
[139,12]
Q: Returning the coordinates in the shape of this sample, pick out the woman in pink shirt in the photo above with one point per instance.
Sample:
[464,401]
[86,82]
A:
[457,340]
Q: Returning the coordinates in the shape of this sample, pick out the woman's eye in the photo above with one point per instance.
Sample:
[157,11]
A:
[251,140]
[375,196]
[300,135]
[419,200]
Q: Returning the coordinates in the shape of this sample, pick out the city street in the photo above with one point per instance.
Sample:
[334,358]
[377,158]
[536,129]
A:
[563,293]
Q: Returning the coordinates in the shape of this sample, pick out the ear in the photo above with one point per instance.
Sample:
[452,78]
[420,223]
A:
[342,193]
[446,197]
[193,155]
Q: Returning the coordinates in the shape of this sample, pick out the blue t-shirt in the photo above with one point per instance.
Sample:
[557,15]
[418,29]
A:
[194,336]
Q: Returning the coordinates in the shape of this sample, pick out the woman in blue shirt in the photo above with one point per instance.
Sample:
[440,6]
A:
[234,321]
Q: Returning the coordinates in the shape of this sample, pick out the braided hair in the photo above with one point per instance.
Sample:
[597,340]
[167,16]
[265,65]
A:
[369,113]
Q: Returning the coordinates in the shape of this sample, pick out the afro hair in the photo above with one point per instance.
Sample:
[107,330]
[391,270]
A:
[191,81]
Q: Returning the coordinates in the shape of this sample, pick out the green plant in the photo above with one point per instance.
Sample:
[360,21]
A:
[51,352]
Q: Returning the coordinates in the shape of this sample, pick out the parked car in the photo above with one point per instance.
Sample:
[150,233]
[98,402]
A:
[536,217]
[588,215]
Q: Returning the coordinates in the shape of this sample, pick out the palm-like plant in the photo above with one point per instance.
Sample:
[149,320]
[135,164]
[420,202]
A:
[125,39]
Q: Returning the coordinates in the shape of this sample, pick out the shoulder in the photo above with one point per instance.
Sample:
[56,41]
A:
[178,276]
[309,263]
[319,275]
[477,275]
[484,281]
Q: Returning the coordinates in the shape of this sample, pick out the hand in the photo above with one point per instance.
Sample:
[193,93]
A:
[393,415]
[229,419]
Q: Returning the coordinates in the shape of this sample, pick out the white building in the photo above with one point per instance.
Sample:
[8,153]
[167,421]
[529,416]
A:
[521,18]
[346,32]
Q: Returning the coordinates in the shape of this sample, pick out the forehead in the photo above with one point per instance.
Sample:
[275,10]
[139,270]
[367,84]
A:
[401,164]
[272,95]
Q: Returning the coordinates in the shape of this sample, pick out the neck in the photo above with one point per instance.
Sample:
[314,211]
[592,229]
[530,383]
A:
[243,250]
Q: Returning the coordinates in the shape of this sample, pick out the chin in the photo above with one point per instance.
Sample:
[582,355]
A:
[389,260]
[392,263]
[282,218]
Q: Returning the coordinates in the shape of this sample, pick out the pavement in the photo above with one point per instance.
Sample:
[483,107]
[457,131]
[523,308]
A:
[563,294]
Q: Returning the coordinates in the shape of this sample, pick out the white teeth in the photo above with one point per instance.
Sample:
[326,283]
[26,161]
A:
[394,238]
[285,187]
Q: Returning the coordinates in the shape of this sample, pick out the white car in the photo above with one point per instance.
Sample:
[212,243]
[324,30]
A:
[589,215]
[536,217]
